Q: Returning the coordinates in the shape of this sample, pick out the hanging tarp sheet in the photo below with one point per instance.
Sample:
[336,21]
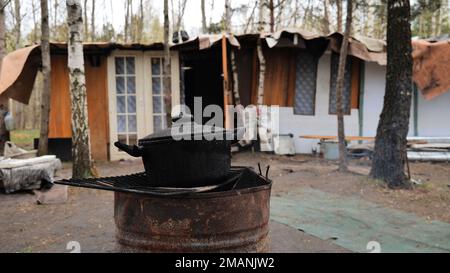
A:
[18,73]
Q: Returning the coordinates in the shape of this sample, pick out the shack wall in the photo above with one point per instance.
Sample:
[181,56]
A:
[322,123]
[60,106]
[374,90]
[433,116]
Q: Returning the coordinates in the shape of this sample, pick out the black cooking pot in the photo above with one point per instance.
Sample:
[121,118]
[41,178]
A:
[201,157]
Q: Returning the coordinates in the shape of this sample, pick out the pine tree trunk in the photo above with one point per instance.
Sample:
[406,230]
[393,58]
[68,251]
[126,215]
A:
[46,73]
[18,19]
[85,19]
[390,147]
[343,165]
[262,12]
[339,15]
[20,114]
[55,14]
[227,16]
[166,67]
[127,20]
[237,98]
[204,27]
[272,16]
[80,130]
[33,12]
[93,21]
[4,134]
[140,27]
[326,18]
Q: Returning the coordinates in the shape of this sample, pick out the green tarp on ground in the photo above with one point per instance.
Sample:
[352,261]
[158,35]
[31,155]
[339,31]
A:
[352,222]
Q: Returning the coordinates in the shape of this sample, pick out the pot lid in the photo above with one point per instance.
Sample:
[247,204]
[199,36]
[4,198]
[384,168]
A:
[188,130]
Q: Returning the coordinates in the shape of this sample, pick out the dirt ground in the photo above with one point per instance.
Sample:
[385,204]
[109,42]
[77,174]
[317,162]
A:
[87,217]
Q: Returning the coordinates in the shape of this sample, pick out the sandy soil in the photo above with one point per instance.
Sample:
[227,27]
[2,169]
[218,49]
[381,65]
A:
[87,217]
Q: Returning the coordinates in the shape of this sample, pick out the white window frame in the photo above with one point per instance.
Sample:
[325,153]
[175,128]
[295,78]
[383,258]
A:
[144,94]
[125,95]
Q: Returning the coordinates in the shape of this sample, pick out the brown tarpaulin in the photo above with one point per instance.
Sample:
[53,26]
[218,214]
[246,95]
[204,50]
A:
[431,67]
[18,73]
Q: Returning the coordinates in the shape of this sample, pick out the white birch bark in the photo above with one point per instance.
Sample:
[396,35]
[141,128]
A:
[80,129]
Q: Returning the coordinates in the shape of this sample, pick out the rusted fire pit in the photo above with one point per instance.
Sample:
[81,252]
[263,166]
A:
[232,218]
[235,220]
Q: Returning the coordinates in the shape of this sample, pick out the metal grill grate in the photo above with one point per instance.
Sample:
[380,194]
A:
[139,183]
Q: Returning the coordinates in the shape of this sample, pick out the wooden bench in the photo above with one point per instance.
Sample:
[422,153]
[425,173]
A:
[347,138]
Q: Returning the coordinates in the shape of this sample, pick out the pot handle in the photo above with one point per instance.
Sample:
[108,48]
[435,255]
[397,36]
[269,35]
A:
[134,151]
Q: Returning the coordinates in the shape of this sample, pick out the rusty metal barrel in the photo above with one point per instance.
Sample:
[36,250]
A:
[229,221]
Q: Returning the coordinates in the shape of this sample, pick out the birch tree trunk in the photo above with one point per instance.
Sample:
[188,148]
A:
[259,49]
[343,166]
[204,27]
[46,73]
[390,146]
[166,66]
[262,72]
[4,134]
[80,130]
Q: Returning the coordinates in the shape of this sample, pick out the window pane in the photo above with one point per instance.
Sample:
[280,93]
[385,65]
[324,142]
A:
[157,123]
[121,105]
[120,85]
[121,124]
[122,138]
[164,121]
[130,65]
[132,125]
[120,66]
[305,84]
[157,105]
[131,101]
[156,86]
[132,139]
[131,85]
[169,84]
[156,66]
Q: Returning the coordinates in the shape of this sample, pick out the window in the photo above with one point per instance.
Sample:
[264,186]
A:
[305,84]
[126,99]
[159,113]
[347,91]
